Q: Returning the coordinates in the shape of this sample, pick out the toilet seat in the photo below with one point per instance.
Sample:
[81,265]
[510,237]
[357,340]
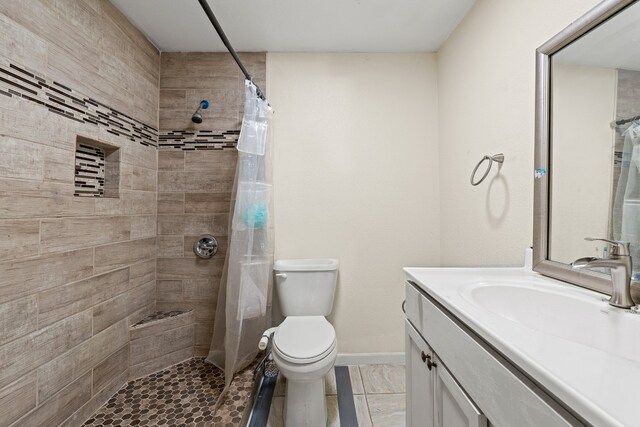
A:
[304,339]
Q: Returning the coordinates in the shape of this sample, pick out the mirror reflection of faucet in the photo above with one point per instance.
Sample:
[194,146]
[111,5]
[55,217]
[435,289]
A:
[619,264]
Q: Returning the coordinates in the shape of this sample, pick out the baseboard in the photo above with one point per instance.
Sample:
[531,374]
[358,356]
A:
[369,358]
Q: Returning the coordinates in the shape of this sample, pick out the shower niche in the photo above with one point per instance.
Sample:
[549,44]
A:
[97,169]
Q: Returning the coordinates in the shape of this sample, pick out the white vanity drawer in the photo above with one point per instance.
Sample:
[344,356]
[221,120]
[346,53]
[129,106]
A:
[504,394]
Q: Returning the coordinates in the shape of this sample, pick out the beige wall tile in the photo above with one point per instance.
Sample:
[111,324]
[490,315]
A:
[18,318]
[223,162]
[201,351]
[65,234]
[58,408]
[203,181]
[169,290]
[174,99]
[158,327]
[143,312]
[91,47]
[171,246]
[24,46]
[56,374]
[203,334]
[115,364]
[60,302]
[25,277]
[144,179]
[202,311]
[34,203]
[154,365]
[21,159]
[185,224]
[99,398]
[17,399]
[147,348]
[143,226]
[171,203]
[142,273]
[187,268]
[171,160]
[25,354]
[138,155]
[207,203]
[201,290]
[118,255]
[121,306]
[128,203]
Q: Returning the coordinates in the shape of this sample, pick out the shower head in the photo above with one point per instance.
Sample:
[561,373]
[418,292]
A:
[197,117]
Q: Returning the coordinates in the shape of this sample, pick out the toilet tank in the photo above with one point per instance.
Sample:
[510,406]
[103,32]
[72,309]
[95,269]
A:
[306,287]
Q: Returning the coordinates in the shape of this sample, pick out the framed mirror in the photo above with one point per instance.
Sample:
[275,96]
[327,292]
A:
[587,136]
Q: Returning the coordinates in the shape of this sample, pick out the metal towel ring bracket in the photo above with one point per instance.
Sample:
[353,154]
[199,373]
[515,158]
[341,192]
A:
[495,158]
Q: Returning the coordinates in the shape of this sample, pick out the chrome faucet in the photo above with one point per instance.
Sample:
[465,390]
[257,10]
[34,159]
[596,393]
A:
[619,264]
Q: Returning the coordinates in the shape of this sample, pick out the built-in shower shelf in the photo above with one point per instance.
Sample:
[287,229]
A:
[160,315]
[160,340]
[97,169]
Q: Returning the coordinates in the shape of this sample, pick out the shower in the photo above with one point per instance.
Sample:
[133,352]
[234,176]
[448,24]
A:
[197,117]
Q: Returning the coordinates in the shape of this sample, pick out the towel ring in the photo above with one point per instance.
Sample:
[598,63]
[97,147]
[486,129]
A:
[495,158]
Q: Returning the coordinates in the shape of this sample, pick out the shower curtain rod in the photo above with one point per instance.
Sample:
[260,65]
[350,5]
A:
[226,42]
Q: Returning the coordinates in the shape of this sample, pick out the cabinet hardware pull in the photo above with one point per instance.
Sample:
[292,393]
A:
[404,304]
[431,364]
[425,357]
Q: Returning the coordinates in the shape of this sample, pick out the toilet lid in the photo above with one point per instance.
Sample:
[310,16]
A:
[304,339]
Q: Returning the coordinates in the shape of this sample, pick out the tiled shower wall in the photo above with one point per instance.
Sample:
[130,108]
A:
[196,167]
[74,271]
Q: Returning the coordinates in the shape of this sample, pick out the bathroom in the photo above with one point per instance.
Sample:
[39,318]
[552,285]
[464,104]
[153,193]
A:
[130,136]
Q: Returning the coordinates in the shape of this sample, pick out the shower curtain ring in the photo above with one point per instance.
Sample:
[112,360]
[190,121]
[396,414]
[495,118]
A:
[495,158]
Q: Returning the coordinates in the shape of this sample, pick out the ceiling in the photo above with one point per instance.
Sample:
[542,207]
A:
[298,25]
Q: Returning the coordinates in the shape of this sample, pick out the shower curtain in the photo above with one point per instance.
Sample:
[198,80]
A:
[244,300]
[626,204]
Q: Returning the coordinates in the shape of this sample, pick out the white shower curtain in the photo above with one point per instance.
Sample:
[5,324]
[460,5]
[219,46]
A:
[626,204]
[244,300]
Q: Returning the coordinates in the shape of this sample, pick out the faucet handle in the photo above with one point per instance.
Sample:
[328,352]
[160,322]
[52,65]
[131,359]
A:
[618,248]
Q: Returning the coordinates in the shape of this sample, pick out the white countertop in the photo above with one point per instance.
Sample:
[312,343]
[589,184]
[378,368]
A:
[590,361]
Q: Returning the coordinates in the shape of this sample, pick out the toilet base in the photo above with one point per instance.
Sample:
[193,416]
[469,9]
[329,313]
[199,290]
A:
[305,404]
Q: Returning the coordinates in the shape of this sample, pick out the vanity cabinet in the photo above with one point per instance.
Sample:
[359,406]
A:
[469,383]
[434,398]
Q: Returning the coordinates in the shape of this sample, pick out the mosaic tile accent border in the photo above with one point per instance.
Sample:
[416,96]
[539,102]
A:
[60,99]
[159,315]
[90,171]
[188,140]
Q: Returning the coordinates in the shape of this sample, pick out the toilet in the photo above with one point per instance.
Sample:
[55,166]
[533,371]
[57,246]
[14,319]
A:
[304,346]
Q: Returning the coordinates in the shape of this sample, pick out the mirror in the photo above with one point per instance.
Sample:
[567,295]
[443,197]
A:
[588,142]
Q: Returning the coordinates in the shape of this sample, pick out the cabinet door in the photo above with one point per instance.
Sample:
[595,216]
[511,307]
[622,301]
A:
[419,381]
[452,405]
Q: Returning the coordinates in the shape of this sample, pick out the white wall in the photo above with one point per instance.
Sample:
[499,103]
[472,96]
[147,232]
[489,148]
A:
[584,104]
[486,85]
[356,178]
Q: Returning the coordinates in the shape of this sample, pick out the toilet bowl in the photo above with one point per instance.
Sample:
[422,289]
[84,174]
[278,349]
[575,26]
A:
[305,350]
[304,346]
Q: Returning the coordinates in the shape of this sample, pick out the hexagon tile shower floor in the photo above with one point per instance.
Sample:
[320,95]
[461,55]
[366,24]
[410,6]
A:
[182,395]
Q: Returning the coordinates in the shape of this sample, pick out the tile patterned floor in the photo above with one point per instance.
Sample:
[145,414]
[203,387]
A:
[378,393]
[183,395]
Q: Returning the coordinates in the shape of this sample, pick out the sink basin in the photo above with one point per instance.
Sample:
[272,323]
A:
[572,314]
